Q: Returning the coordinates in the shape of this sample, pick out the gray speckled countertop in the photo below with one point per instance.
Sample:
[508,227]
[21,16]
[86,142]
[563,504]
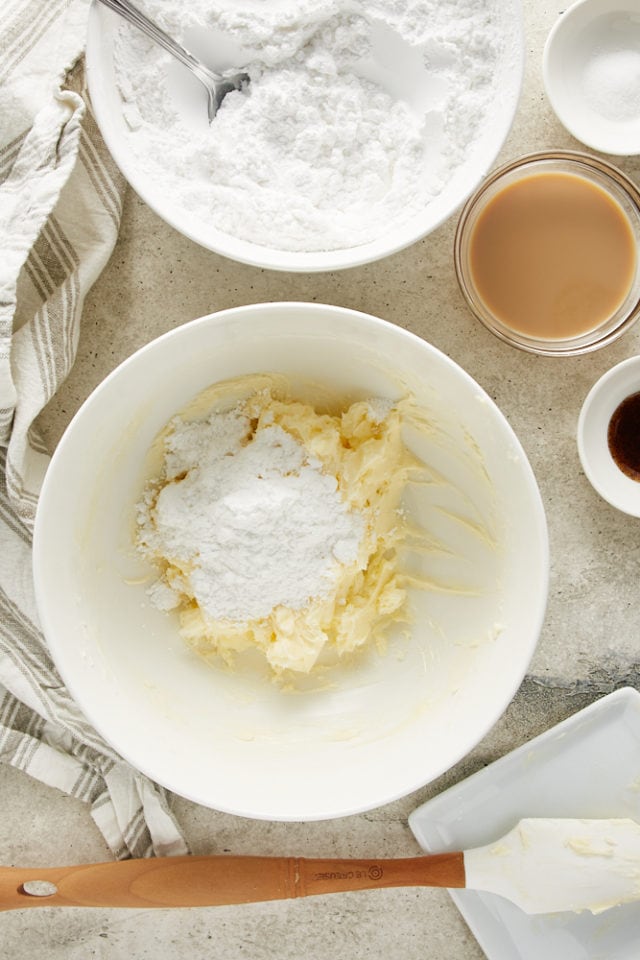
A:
[156,280]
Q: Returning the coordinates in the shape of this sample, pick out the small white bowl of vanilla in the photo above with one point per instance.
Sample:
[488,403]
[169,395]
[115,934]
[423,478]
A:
[609,436]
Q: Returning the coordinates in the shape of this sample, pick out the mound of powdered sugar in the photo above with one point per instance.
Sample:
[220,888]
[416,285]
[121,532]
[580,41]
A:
[236,512]
[318,155]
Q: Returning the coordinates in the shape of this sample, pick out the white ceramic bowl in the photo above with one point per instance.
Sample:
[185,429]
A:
[600,404]
[383,726]
[591,71]
[404,76]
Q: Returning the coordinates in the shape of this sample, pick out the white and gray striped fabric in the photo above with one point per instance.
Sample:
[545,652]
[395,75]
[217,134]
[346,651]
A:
[60,206]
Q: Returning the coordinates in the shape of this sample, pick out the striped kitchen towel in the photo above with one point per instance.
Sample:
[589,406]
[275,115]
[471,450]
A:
[60,205]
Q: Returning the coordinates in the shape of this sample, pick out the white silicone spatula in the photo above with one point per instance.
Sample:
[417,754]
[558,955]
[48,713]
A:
[544,866]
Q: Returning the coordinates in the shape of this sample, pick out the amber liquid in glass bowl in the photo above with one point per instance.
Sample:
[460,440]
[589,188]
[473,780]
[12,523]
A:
[552,255]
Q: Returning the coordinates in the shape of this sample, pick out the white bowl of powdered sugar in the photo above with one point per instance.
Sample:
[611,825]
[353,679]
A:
[295,579]
[365,125]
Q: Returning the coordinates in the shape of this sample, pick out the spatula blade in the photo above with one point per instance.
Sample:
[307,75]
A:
[554,865]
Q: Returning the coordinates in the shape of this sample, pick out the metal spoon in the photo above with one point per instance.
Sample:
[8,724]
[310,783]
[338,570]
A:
[217,85]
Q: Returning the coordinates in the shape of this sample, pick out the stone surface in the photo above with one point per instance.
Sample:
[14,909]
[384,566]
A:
[156,280]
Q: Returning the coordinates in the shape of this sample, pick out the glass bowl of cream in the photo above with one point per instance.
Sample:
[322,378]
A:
[546,253]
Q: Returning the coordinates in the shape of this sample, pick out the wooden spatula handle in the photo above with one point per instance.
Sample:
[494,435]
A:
[216,880]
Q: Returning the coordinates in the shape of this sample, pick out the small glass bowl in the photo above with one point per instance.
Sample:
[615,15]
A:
[596,171]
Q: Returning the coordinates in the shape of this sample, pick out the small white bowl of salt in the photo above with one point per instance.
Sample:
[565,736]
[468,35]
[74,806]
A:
[591,71]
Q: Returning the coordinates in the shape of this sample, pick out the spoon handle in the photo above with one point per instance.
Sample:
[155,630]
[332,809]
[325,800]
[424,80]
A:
[188,881]
[133,15]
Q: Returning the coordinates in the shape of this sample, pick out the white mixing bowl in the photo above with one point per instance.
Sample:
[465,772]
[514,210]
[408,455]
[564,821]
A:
[395,67]
[385,724]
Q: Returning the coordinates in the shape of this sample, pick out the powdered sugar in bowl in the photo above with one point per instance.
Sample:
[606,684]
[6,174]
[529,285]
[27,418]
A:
[364,127]
[379,725]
